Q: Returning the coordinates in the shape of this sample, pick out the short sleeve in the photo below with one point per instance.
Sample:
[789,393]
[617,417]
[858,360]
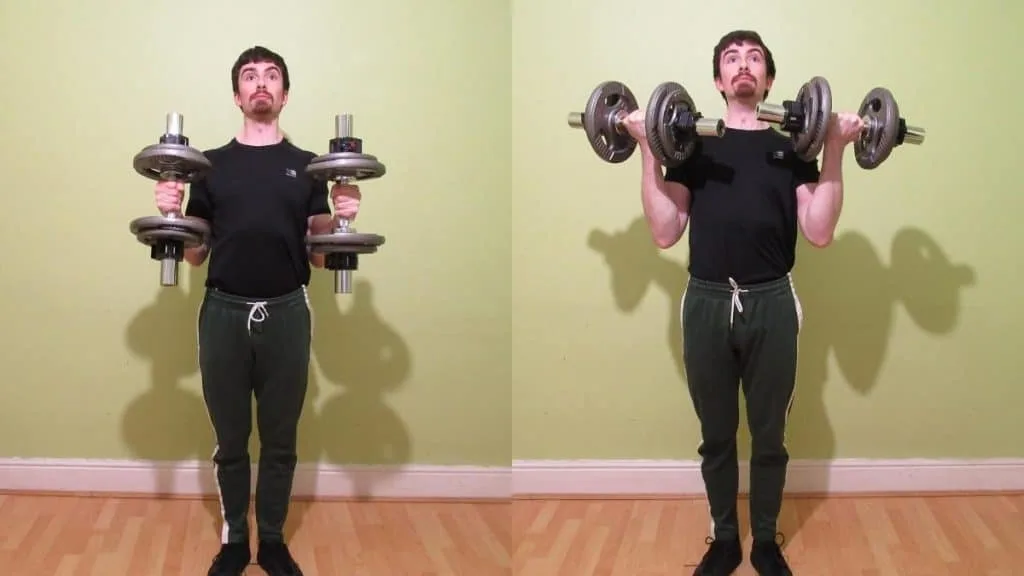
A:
[318,194]
[806,172]
[318,203]
[685,173]
[199,204]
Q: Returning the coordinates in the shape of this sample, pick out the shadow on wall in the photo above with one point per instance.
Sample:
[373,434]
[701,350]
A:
[366,359]
[168,422]
[848,296]
[355,350]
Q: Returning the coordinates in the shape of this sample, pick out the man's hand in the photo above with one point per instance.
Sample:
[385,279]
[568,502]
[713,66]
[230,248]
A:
[844,128]
[345,198]
[635,124]
[169,196]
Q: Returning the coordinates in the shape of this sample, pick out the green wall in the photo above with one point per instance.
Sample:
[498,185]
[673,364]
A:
[519,308]
[100,361]
[902,353]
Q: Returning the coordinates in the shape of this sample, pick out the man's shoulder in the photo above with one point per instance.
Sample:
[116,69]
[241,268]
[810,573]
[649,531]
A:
[219,150]
[293,149]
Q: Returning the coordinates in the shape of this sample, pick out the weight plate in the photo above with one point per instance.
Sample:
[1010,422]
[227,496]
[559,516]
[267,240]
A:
[191,231]
[608,102]
[669,144]
[171,162]
[882,126]
[815,96]
[350,242]
[350,165]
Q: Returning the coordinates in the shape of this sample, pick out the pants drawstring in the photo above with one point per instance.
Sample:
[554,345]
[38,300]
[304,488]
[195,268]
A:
[257,313]
[737,305]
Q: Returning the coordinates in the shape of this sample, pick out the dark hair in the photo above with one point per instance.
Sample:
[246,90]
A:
[740,37]
[255,55]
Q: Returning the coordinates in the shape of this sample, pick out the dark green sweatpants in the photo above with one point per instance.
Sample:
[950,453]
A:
[747,334]
[254,348]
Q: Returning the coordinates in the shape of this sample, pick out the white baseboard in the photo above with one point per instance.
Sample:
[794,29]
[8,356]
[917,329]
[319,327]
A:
[842,476]
[191,478]
[525,478]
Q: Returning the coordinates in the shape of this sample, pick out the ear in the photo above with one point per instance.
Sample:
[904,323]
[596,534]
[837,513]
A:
[284,98]
[719,85]
[768,83]
[238,100]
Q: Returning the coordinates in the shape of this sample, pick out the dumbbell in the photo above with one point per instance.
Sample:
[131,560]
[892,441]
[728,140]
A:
[884,129]
[345,162]
[171,159]
[603,121]
[805,118]
[672,123]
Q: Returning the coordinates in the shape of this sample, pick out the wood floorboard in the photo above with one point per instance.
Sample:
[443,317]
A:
[962,535]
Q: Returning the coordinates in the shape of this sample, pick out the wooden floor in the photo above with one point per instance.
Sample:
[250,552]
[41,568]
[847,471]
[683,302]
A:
[100,536]
[81,536]
[938,536]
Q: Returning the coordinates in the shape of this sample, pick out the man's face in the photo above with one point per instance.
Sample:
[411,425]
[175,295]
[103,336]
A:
[744,73]
[261,90]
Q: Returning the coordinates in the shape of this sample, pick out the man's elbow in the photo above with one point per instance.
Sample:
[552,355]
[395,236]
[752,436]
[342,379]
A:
[196,256]
[665,242]
[820,239]
[665,239]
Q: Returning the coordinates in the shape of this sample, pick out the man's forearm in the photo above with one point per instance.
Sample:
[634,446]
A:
[660,209]
[827,204]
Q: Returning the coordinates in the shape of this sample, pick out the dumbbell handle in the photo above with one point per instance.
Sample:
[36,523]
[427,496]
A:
[709,127]
[772,113]
[778,114]
[174,126]
[910,134]
[342,278]
[576,120]
[703,126]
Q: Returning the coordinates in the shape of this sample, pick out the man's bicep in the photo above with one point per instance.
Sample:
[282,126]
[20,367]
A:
[679,194]
[805,177]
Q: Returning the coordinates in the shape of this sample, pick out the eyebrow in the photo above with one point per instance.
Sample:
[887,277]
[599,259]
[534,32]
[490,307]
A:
[252,68]
[754,49]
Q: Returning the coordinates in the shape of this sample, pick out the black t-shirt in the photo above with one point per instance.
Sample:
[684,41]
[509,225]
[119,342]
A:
[743,210]
[257,200]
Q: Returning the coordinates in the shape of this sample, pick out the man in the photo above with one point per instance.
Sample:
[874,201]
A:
[744,196]
[255,326]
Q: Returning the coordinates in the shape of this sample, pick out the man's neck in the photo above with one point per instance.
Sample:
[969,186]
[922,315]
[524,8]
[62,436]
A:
[257,132]
[742,115]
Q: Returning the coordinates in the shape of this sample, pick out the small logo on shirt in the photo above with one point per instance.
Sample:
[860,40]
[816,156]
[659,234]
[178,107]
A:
[289,172]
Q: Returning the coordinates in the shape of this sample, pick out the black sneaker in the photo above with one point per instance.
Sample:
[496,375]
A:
[275,560]
[722,558]
[766,557]
[231,560]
